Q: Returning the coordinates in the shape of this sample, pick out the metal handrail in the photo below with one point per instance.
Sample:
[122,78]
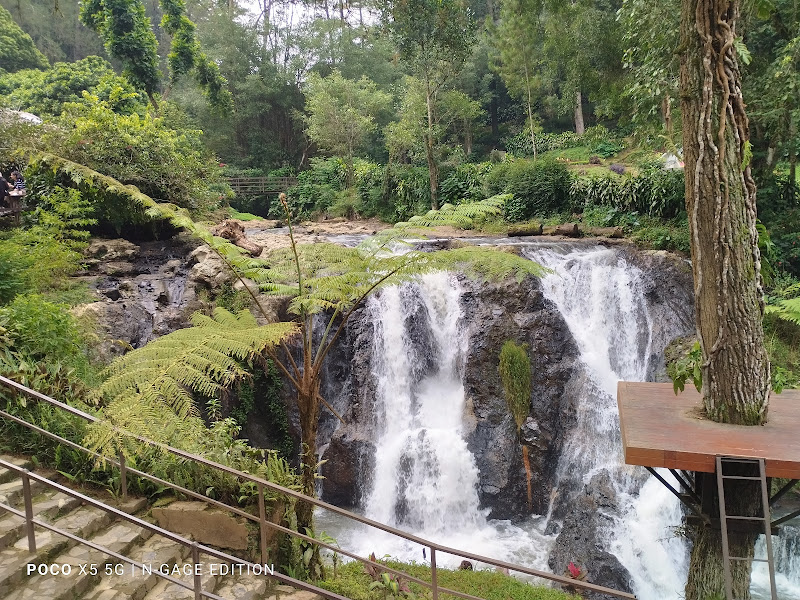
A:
[264,523]
[196,548]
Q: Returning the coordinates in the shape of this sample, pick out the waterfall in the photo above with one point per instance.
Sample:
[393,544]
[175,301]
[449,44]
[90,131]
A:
[601,298]
[786,552]
[425,479]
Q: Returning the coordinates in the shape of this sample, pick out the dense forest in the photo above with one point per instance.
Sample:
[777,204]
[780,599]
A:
[494,113]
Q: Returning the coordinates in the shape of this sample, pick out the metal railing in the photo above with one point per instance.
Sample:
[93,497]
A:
[264,523]
[195,548]
[260,185]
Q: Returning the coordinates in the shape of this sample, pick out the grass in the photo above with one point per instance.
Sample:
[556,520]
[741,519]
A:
[352,581]
[244,216]
[578,154]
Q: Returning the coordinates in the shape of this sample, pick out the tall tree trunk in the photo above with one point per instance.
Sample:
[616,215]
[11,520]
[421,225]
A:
[530,109]
[666,111]
[493,110]
[579,126]
[720,201]
[433,167]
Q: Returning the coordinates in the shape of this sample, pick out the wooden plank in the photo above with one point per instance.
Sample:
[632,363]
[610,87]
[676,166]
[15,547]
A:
[661,429]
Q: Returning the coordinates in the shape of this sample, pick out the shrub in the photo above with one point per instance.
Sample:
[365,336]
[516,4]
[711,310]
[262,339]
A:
[539,187]
[45,331]
[464,183]
[316,189]
[515,373]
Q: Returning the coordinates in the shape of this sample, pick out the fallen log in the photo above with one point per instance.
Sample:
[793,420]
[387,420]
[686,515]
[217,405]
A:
[607,232]
[567,229]
[525,229]
[234,231]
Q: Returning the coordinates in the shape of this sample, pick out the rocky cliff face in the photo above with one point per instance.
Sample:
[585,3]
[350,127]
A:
[498,312]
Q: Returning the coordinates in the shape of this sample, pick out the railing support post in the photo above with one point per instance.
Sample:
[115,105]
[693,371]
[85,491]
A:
[123,477]
[434,578]
[198,578]
[262,523]
[26,493]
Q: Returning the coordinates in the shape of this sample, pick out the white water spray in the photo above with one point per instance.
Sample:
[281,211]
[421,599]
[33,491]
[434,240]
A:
[601,298]
[425,479]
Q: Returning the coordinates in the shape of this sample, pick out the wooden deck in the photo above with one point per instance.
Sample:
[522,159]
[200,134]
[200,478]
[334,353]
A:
[660,429]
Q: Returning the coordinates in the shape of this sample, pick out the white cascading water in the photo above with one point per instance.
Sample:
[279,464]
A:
[601,298]
[425,479]
[786,552]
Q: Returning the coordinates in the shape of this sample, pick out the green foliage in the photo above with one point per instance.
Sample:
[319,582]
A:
[687,368]
[515,373]
[341,114]
[150,386]
[38,257]
[46,92]
[654,191]
[163,163]
[125,30]
[352,581]
[316,189]
[663,235]
[539,187]
[45,331]
[463,216]
[521,145]
[17,50]
[464,183]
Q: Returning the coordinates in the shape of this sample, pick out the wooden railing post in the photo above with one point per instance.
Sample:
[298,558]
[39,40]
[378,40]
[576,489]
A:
[198,578]
[434,578]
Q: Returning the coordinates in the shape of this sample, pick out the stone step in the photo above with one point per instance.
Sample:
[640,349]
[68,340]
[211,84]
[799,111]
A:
[156,551]
[7,475]
[119,537]
[166,590]
[84,522]
[287,592]
[12,495]
[47,506]
[243,587]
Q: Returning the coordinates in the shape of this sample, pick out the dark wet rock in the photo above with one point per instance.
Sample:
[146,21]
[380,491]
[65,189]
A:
[580,540]
[498,312]
[142,291]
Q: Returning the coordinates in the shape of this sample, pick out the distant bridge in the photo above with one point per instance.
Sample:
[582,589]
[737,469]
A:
[257,186]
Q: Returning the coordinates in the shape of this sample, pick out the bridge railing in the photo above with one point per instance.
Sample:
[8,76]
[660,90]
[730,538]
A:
[253,186]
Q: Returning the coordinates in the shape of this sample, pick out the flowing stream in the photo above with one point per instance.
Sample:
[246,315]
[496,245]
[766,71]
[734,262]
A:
[425,479]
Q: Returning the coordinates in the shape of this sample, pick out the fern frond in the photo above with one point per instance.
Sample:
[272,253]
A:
[787,310]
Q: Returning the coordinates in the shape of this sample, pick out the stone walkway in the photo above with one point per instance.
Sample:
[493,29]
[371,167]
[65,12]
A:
[62,569]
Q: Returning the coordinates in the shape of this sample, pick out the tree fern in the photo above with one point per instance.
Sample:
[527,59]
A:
[151,386]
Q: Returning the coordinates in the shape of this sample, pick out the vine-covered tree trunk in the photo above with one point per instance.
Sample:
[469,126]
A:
[720,202]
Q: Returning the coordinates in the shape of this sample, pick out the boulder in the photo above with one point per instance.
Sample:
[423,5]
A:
[580,540]
[208,270]
[207,526]
[112,250]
